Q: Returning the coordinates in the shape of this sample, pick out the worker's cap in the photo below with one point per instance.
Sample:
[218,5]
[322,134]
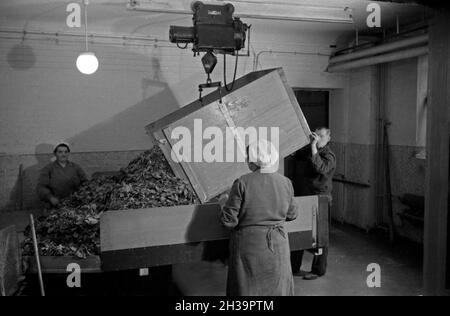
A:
[61,144]
[264,154]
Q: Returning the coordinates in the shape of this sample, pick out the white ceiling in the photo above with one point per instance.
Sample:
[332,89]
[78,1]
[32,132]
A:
[111,16]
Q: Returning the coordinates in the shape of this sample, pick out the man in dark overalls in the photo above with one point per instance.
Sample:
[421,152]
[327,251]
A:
[317,164]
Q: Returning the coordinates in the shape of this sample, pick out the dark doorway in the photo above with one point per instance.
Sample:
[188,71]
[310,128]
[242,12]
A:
[314,105]
[315,108]
[447,283]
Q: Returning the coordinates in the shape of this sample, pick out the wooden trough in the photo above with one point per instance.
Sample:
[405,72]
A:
[134,239]
[165,236]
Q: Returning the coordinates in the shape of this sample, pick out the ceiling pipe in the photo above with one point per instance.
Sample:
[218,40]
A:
[380,59]
[246,9]
[387,39]
[383,48]
[257,56]
[24,33]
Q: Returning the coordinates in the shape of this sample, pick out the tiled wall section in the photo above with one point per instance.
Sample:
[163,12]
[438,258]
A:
[407,172]
[356,205]
[351,203]
[19,193]
[407,176]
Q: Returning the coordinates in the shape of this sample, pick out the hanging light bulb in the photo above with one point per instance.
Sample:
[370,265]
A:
[87,62]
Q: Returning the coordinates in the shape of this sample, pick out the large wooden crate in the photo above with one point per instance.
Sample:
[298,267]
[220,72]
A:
[259,99]
[168,235]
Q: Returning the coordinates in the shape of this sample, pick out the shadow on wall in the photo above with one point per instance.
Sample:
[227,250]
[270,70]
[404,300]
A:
[23,195]
[21,57]
[127,128]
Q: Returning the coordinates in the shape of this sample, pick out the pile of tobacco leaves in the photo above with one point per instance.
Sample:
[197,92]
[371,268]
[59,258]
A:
[73,229]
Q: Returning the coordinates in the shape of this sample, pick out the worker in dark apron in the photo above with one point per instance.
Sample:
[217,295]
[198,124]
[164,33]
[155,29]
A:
[317,164]
[60,178]
[258,205]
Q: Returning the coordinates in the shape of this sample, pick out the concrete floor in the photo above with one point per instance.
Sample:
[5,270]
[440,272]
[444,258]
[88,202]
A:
[351,251]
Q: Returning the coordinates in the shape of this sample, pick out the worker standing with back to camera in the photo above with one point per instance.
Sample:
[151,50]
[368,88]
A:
[258,205]
[319,164]
[60,178]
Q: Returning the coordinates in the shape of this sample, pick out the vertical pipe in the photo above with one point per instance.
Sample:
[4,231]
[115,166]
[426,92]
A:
[379,147]
[397,23]
[388,190]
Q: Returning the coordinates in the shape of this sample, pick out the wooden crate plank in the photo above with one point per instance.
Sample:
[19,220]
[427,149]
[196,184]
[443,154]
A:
[204,175]
[160,226]
[304,220]
[297,109]
[207,99]
[267,103]
[58,264]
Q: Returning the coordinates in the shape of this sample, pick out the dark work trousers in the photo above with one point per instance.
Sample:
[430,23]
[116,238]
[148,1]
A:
[319,264]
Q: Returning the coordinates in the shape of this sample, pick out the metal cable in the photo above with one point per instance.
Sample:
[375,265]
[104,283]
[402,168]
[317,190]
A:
[85,23]
[225,72]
